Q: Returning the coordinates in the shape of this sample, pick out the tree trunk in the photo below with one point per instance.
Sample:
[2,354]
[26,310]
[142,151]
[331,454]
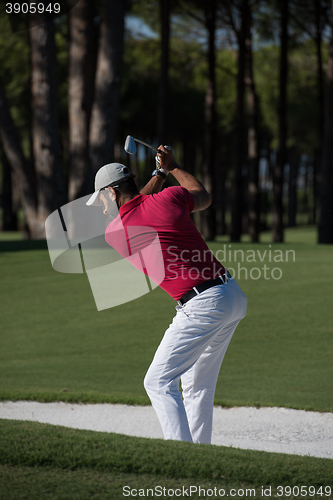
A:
[253,141]
[306,187]
[316,171]
[136,169]
[22,173]
[147,167]
[46,145]
[292,189]
[163,102]
[264,202]
[208,171]
[281,159]
[81,83]
[107,84]
[189,154]
[320,84]
[326,214]
[222,198]
[9,214]
[239,139]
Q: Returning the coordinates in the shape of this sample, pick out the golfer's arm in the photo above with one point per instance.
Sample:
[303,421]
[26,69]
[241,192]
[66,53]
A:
[153,186]
[202,198]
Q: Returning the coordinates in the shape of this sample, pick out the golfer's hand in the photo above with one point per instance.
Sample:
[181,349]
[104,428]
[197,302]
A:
[167,160]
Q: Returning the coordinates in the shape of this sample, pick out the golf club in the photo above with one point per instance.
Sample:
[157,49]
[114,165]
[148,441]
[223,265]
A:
[130,146]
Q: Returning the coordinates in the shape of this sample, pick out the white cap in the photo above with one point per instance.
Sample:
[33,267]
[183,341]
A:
[109,174]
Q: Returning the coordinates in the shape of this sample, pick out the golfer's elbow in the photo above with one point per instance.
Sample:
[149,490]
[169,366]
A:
[202,200]
[207,200]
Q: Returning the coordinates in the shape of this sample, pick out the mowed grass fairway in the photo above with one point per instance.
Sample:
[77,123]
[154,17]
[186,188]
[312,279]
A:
[55,345]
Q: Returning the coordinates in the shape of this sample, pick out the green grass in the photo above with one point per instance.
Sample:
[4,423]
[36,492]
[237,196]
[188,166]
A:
[55,345]
[11,236]
[41,461]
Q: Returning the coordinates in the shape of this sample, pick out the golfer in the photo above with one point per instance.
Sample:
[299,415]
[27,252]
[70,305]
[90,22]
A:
[210,302]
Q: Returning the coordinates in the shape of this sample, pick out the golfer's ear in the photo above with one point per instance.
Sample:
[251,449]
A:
[112,193]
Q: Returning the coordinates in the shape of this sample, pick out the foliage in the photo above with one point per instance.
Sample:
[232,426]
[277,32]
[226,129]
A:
[187,80]
[188,75]
[302,95]
[15,74]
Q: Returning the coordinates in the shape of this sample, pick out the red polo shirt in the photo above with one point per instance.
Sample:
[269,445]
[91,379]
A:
[186,258]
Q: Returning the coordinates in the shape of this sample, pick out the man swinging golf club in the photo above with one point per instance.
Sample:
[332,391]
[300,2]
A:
[210,302]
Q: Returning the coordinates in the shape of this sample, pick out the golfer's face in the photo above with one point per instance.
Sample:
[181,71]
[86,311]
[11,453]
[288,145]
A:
[109,204]
[103,201]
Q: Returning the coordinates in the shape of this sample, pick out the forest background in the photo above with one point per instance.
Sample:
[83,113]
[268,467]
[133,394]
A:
[241,89]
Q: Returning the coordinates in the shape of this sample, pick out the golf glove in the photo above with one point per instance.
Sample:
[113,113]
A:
[158,163]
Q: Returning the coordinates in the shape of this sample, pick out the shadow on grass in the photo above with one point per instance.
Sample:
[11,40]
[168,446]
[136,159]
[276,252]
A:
[22,245]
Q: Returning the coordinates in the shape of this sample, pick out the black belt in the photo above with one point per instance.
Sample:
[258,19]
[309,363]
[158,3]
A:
[204,286]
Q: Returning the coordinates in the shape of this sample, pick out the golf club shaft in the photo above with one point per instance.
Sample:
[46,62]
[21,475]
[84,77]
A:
[147,145]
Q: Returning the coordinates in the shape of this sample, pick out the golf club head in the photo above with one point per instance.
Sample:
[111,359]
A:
[130,146]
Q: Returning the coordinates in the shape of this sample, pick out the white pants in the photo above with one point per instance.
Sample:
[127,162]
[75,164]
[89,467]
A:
[192,351]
